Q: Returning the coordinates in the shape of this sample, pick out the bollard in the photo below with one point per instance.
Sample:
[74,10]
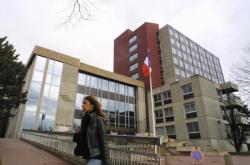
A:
[168,160]
[228,160]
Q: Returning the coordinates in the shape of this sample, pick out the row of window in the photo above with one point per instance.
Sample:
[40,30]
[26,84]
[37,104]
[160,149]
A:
[133,55]
[105,85]
[165,96]
[168,114]
[51,71]
[113,119]
[188,51]
[117,100]
[192,128]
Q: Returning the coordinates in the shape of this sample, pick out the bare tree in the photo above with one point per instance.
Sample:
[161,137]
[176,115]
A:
[241,75]
[236,130]
[83,10]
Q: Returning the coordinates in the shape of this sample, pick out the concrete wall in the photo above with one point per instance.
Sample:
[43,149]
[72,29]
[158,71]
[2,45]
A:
[67,97]
[141,111]
[209,116]
[167,60]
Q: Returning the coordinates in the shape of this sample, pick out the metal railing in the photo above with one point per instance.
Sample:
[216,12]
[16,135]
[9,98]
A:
[123,150]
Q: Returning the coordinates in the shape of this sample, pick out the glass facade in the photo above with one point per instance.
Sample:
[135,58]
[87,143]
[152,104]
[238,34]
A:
[50,95]
[118,100]
[190,58]
[49,72]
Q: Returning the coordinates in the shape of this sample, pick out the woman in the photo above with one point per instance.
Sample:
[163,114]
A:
[90,137]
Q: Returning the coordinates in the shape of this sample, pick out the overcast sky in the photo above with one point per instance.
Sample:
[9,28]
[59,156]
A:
[220,26]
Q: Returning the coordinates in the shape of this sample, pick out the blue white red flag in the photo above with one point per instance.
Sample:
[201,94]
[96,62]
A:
[146,66]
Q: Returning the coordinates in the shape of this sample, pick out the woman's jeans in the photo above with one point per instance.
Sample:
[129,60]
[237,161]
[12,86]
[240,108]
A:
[94,162]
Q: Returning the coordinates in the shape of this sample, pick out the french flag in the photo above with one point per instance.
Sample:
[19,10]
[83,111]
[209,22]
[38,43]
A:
[146,66]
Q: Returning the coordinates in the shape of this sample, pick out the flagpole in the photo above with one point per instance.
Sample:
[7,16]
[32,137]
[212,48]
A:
[152,104]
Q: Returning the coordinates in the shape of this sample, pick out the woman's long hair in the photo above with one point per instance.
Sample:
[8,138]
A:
[97,106]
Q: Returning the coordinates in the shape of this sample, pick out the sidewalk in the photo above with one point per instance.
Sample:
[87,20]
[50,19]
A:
[17,152]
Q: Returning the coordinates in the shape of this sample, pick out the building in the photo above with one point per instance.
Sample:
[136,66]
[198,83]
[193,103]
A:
[173,55]
[186,80]
[191,110]
[56,85]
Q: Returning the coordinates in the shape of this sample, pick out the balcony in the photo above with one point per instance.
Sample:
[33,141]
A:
[233,102]
[228,87]
[241,118]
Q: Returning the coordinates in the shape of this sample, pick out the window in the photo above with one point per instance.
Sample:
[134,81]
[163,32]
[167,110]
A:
[177,71]
[167,97]
[171,32]
[193,130]
[135,76]
[132,48]
[132,39]
[170,130]
[175,60]
[133,67]
[157,100]
[131,91]
[160,130]
[40,63]
[133,57]
[111,86]
[172,41]
[169,116]
[174,51]
[105,85]
[190,110]
[158,116]
[187,91]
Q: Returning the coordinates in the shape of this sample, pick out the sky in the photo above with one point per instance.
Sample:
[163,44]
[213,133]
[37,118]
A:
[220,26]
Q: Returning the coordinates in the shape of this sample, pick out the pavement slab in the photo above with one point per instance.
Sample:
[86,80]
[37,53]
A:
[17,152]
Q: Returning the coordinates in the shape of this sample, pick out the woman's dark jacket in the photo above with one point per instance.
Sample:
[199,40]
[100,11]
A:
[91,141]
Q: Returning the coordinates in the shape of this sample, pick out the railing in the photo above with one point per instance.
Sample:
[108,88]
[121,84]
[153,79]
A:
[123,150]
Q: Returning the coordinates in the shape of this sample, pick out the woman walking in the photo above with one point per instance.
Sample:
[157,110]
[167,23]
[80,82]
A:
[90,137]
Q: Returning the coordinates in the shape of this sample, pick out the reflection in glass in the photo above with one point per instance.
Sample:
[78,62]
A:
[28,120]
[49,122]
[121,106]
[93,82]
[54,92]
[48,78]
[131,91]
[111,86]
[118,100]
[79,99]
[37,76]
[104,85]
[56,80]
[34,90]
[50,95]
[121,89]
[111,105]
[58,68]
[31,105]
[104,103]
[81,79]
[77,123]
[87,81]
[40,63]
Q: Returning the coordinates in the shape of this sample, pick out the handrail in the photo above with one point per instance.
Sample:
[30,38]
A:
[122,148]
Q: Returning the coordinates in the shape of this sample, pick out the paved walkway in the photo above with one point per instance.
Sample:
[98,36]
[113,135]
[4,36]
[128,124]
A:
[16,152]
[210,160]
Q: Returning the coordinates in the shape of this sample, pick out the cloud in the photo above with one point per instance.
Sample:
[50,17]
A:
[221,27]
